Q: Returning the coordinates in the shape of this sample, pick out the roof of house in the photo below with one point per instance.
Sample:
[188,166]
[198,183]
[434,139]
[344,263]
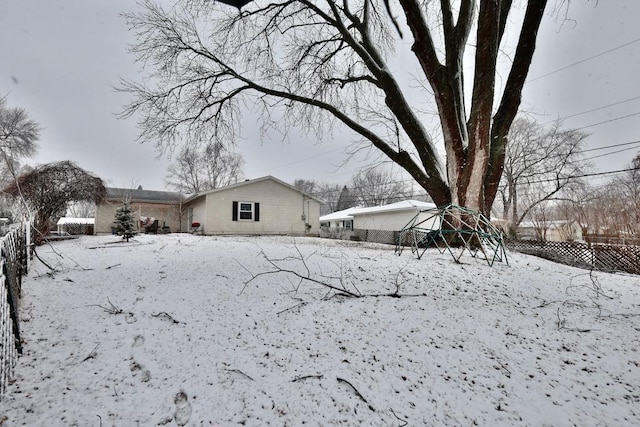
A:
[398,206]
[140,195]
[338,215]
[249,182]
[392,207]
[68,220]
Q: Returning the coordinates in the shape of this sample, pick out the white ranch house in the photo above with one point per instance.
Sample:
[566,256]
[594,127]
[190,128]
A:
[260,206]
[338,219]
[382,221]
[391,217]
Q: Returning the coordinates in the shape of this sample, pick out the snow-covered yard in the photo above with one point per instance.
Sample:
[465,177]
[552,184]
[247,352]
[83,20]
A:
[165,330]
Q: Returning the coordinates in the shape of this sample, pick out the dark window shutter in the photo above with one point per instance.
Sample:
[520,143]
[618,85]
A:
[256,211]
[235,211]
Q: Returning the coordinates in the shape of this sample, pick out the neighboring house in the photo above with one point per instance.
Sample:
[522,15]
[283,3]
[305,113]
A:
[146,206]
[260,206]
[76,226]
[337,225]
[391,217]
[338,219]
[551,231]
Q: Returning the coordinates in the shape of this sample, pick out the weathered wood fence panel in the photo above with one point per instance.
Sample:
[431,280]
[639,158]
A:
[606,257]
[13,265]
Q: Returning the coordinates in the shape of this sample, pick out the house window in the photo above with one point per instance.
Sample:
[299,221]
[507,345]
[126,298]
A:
[246,211]
[348,225]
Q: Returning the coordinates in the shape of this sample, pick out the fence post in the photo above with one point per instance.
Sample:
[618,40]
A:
[28,243]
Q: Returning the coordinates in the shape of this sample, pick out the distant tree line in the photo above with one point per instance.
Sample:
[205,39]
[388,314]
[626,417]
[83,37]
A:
[375,186]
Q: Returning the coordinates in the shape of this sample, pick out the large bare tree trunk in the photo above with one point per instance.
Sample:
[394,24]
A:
[474,146]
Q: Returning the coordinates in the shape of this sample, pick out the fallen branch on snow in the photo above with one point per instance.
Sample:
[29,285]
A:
[306,377]
[342,380]
[340,290]
[303,277]
[93,353]
[298,306]
[238,371]
[562,321]
[111,309]
[399,419]
[165,315]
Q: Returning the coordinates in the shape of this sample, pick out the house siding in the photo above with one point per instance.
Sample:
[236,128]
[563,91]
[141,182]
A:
[198,214]
[281,210]
[166,214]
[387,221]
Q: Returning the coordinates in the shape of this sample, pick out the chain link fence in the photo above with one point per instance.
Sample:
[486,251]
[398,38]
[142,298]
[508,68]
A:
[75,229]
[359,235]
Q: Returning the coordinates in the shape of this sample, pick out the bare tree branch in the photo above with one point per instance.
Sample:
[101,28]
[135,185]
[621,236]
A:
[316,65]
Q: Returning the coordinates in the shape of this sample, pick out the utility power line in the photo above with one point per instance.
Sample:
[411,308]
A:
[584,60]
[604,147]
[609,121]
[584,175]
[541,181]
[608,154]
[594,109]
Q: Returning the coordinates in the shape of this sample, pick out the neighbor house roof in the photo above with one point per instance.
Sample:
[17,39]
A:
[249,182]
[140,195]
[398,206]
[68,220]
[343,215]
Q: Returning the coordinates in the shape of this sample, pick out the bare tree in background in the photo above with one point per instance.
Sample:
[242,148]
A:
[615,206]
[202,167]
[308,186]
[346,199]
[18,137]
[629,190]
[47,189]
[541,165]
[376,187]
[314,65]
[83,209]
[327,192]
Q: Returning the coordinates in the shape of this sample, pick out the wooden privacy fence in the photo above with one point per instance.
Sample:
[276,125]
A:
[606,257]
[13,265]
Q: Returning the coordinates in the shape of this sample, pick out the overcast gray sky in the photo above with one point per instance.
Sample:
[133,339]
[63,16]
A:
[61,59]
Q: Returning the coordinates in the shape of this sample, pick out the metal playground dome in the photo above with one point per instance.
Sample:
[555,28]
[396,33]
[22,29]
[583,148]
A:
[455,229]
